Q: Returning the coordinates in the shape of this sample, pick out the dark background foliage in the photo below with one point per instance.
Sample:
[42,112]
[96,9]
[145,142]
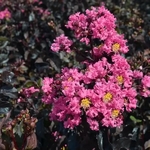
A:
[25,58]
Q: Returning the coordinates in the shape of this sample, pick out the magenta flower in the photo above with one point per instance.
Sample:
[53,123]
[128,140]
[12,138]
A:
[106,87]
[137,74]
[47,85]
[5,14]
[115,43]
[146,81]
[145,86]
[61,43]
[29,91]
[94,125]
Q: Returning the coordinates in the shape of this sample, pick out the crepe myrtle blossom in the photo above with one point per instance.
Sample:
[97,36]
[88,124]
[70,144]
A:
[137,74]
[61,43]
[96,22]
[145,86]
[5,14]
[105,88]
[48,90]
[114,43]
[103,103]
[28,92]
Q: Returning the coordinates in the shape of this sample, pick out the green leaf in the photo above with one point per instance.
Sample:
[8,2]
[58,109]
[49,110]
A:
[3,39]
[18,129]
[30,83]
[135,120]
[2,115]
[39,82]
[138,120]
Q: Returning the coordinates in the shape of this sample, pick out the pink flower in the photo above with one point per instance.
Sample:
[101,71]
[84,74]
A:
[85,40]
[92,112]
[129,97]
[146,81]
[48,90]
[29,91]
[103,24]
[46,12]
[97,23]
[20,100]
[92,14]
[98,29]
[137,74]
[97,70]
[61,43]
[108,121]
[115,43]
[105,88]
[120,71]
[120,62]
[2,15]
[72,122]
[70,114]
[78,23]
[5,14]
[145,86]
[47,99]
[59,109]
[93,124]
[47,85]
[145,92]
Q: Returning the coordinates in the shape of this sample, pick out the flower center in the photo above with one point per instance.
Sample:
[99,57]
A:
[107,97]
[120,79]
[116,47]
[115,113]
[66,87]
[70,79]
[85,103]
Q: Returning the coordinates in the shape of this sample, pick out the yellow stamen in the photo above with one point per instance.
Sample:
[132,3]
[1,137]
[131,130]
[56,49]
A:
[120,79]
[63,148]
[116,47]
[115,113]
[70,79]
[85,103]
[100,45]
[66,87]
[107,97]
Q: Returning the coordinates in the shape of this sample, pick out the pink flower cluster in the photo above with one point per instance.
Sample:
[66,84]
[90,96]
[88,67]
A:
[103,102]
[145,86]
[48,90]
[97,23]
[27,92]
[105,88]
[61,43]
[5,14]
